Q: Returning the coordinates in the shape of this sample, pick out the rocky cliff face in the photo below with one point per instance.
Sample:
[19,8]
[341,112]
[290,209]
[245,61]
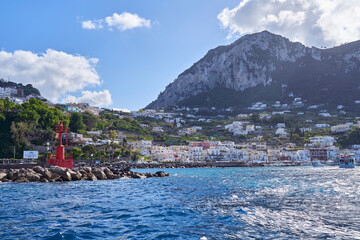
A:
[261,60]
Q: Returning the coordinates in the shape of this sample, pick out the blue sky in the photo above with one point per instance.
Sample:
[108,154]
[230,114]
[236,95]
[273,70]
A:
[135,64]
[144,45]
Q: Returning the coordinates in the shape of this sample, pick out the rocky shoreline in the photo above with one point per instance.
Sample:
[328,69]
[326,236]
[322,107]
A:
[59,174]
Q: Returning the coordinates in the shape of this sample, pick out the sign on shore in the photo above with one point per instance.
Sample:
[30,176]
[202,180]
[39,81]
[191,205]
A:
[31,154]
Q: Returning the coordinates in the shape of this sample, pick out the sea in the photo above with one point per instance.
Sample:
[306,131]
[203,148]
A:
[202,203]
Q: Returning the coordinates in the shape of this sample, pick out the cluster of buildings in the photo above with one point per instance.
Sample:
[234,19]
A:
[241,128]
[16,95]
[320,148]
[244,127]
[79,107]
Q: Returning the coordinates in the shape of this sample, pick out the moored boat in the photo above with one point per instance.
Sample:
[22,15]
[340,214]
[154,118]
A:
[347,161]
[317,163]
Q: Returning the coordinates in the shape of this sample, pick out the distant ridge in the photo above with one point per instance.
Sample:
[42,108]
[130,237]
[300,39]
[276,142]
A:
[28,89]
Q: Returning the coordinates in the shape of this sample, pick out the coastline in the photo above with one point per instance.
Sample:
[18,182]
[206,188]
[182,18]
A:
[190,165]
[132,165]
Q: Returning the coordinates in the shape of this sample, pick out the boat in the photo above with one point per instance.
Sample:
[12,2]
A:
[347,161]
[317,163]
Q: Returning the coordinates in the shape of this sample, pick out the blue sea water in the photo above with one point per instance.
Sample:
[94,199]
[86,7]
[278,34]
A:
[223,203]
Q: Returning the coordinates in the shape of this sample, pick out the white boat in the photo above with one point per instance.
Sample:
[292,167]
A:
[317,163]
[347,161]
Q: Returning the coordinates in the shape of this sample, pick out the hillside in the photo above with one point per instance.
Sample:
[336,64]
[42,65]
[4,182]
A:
[28,89]
[267,67]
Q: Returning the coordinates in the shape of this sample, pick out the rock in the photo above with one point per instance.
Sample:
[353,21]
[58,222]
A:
[109,174]
[148,175]
[126,169]
[66,176]
[33,177]
[39,169]
[30,171]
[47,174]
[99,173]
[91,177]
[3,175]
[55,178]
[135,176]
[18,175]
[116,176]
[87,169]
[59,180]
[22,180]
[44,180]
[57,170]
[83,172]
[160,174]
[12,174]
[63,172]
[75,175]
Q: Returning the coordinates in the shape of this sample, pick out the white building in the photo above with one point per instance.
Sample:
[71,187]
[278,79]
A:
[237,128]
[281,131]
[321,141]
[305,129]
[95,133]
[157,129]
[258,157]
[250,128]
[322,125]
[340,128]
[325,114]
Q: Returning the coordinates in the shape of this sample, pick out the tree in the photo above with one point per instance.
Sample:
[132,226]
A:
[88,150]
[90,120]
[135,155]
[101,155]
[117,153]
[38,113]
[277,118]
[20,133]
[2,108]
[352,138]
[255,118]
[76,152]
[76,122]
[113,134]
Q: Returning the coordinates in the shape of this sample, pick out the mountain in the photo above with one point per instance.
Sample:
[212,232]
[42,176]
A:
[267,67]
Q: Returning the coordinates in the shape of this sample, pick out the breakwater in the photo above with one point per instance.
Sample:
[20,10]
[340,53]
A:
[59,174]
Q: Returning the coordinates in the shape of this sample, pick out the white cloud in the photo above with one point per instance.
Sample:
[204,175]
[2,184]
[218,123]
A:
[92,24]
[99,99]
[54,73]
[312,22]
[123,21]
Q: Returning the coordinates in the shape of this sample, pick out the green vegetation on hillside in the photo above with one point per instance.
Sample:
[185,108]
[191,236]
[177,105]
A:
[30,122]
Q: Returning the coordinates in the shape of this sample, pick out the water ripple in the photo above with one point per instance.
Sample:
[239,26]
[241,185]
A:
[229,203]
